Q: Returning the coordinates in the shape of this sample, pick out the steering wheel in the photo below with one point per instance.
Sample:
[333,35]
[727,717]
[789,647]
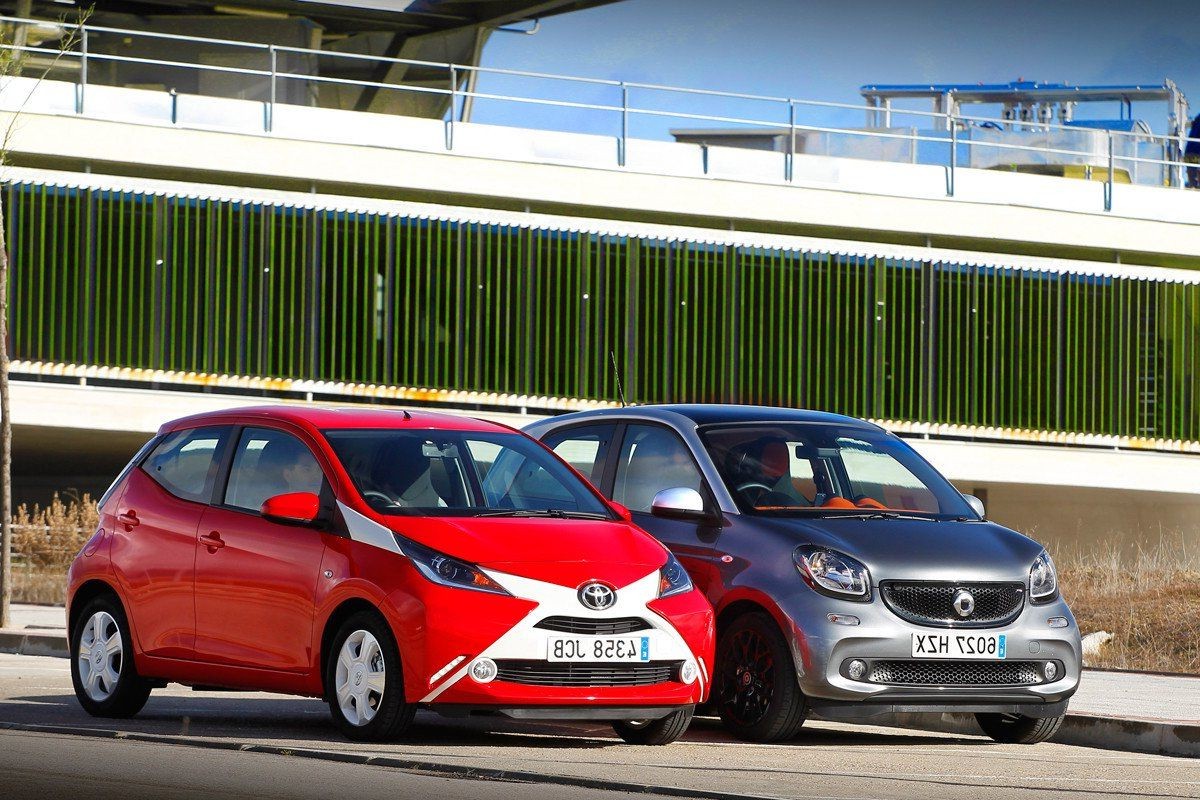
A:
[746,490]
[375,494]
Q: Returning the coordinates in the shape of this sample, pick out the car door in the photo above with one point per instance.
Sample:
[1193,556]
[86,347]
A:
[154,541]
[652,457]
[256,579]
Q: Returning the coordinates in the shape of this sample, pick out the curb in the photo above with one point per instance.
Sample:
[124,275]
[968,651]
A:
[434,768]
[30,643]
[1083,730]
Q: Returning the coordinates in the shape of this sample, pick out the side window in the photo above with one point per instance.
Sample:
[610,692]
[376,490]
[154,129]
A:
[652,458]
[185,462]
[584,448]
[270,462]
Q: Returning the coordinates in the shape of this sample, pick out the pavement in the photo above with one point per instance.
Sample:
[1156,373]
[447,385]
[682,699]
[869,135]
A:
[240,744]
[1122,711]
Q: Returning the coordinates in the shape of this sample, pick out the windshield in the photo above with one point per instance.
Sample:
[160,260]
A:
[460,473]
[806,469]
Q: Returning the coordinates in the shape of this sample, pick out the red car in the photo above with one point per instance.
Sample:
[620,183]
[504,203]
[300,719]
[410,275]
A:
[385,561]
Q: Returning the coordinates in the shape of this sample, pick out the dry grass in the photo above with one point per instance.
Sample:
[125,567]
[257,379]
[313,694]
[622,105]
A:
[1148,598]
[45,540]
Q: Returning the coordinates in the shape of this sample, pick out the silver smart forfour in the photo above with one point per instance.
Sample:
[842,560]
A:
[849,577]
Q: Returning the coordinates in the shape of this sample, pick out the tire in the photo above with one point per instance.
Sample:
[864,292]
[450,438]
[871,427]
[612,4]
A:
[1019,729]
[757,695]
[364,682]
[102,668]
[656,731]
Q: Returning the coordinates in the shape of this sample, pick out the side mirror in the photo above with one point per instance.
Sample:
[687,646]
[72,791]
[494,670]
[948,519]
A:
[623,512]
[976,504]
[297,508]
[679,503]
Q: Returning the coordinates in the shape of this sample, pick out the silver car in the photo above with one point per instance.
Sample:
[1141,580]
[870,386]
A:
[849,577]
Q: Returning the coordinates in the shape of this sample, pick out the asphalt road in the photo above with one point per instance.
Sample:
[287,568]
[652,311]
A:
[186,744]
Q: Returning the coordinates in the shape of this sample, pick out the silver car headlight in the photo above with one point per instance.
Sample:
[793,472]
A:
[1043,580]
[832,573]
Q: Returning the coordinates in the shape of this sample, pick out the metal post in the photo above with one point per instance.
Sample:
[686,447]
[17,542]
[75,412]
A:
[174,105]
[790,167]
[1108,185]
[624,125]
[953,153]
[453,108]
[271,103]
[83,70]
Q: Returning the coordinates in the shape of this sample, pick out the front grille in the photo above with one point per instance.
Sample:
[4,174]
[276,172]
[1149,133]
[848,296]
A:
[955,673]
[933,603]
[594,627]
[547,673]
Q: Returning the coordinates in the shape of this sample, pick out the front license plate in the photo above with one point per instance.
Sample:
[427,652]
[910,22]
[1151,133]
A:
[958,645]
[597,648]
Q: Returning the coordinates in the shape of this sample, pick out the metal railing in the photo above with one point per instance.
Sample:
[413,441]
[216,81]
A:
[950,134]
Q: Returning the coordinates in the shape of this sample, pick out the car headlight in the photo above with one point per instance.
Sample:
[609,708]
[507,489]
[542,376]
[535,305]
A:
[832,573]
[447,571]
[673,578]
[1043,580]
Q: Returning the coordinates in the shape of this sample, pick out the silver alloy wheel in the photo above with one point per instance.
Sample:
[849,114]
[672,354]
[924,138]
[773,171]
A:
[360,678]
[101,653]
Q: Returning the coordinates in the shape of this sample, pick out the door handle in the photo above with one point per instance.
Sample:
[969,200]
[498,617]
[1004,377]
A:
[212,541]
[129,520]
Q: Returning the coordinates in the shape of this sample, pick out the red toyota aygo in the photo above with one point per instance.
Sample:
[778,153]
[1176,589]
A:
[385,561]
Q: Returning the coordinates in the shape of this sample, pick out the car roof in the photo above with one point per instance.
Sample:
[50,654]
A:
[714,413]
[330,418]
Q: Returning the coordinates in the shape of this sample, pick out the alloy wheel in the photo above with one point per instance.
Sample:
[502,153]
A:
[100,657]
[360,678]
[747,677]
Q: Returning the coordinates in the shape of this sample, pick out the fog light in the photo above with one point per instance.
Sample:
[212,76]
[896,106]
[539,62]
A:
[1050,670]
[856,669]
[1057,622]
[842,619]
[688,672]
[483,670]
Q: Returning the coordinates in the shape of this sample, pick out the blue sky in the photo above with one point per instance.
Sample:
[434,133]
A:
[825,51]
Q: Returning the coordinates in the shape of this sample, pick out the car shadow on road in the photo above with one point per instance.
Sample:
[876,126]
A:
[294,720]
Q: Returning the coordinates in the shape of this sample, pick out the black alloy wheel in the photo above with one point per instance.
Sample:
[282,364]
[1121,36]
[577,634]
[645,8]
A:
[757,694]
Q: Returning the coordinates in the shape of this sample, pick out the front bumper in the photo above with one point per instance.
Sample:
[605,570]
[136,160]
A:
[821,650]
[450,636]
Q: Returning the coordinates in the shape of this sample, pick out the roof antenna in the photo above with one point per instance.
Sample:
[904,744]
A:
[406,414]
[617,375]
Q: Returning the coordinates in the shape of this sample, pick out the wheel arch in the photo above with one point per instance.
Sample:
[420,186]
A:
[86,593]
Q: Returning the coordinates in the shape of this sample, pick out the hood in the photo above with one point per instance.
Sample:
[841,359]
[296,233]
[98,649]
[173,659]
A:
[915,549]
[568,552]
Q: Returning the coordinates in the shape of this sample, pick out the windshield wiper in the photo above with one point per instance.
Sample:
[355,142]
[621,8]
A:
[875,515]
[556,513]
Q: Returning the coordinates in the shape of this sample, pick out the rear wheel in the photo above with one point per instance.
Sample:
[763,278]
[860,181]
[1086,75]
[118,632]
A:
[756,691]
[364,682]
[656,731]
[102,669]
[1018,728]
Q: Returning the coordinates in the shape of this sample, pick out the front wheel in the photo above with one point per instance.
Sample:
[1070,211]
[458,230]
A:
[656,731]
[1018,728]
[364,682]
[756,691]
[102,669]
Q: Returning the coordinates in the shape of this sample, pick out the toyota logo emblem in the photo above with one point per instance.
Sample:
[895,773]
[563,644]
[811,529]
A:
[964,603]
[596,596]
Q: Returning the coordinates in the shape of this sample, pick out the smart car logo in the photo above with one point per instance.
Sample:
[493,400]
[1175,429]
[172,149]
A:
[964,603]
[596,596]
